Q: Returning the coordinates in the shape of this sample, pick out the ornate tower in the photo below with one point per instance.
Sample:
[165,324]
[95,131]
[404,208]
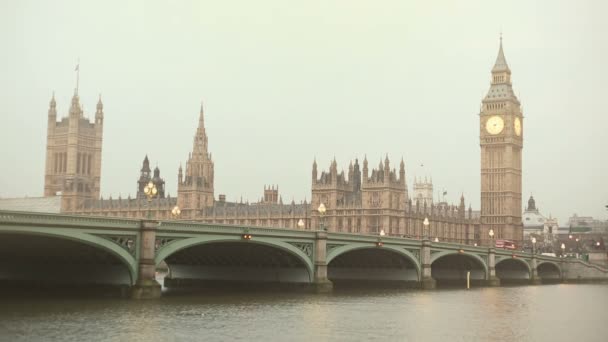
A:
[145,177]
[501,140]
[423,191]
[195,189]
[383,197]
[73,155]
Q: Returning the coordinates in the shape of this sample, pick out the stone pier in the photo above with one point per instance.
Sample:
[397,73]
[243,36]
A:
[426,280]
[492,279]
[146,286]
[320,282]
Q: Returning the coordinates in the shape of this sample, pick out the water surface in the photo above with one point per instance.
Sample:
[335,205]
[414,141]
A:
[563,312]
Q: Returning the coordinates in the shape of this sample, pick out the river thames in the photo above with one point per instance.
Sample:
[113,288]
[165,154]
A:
[562,312]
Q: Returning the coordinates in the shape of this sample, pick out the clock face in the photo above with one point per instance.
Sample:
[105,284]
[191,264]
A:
[495,125]
[517,126]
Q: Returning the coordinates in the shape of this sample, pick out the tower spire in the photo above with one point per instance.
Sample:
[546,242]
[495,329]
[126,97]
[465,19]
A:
[201,119]
[501,62]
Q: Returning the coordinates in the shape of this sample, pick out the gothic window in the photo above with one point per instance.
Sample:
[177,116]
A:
[375,200]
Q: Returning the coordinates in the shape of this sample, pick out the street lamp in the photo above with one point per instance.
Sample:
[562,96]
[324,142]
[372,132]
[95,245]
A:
[426,227]
[322,211]
[301,224]
[533,245]
[436,239]
[175,212]
[563,250]
[382,233]
[491,233]
[150,191]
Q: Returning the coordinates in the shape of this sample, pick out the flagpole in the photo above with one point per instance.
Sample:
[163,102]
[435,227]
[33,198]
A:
[77,75]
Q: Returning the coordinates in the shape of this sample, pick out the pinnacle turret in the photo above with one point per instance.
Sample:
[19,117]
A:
[99,104]
[53,104]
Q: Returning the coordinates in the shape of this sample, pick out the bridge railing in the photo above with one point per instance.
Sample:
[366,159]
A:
[186,225]
[49,219]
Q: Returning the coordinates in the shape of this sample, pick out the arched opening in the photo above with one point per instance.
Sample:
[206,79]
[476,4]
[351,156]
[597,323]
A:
[377,266]
[39,262]
[513,271]
[451,270]
[235,264]
[548,272]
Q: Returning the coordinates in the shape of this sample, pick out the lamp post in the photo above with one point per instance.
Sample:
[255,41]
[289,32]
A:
[322,211]
[301,224]
[563,250]
[150,191]
[426,228]
[436,239]
[382,233]
[175,212]
[491,234]
[533,245]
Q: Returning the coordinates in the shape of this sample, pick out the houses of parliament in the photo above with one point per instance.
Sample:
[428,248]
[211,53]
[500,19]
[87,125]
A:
[367,199]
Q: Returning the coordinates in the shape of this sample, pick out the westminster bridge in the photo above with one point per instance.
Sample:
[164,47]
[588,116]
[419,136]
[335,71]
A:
[83,250]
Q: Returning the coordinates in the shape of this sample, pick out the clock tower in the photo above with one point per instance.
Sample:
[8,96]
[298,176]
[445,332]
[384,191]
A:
[501,141]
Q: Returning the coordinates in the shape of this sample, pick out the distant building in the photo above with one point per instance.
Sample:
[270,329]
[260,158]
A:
[585,224]
[537,225]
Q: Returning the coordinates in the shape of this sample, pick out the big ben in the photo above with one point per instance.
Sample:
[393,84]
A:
[501,141]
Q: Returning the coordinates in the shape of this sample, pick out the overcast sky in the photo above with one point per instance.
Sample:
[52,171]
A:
[284,82]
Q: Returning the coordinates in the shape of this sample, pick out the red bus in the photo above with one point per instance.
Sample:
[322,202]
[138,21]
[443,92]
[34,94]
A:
[505,244]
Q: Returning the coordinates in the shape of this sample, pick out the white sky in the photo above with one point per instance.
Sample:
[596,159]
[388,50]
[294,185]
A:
[285,81]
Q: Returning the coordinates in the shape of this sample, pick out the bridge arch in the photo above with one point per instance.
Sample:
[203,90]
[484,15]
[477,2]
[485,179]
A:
[367,262]
[229,244]
[549,271]
[80,238]
[440,255]
[450,267]
[513,269]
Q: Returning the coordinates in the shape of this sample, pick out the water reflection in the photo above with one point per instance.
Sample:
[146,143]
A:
[526,313]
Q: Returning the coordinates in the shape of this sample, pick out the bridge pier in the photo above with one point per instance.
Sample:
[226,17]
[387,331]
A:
[146,286]
[426,280]
[534,278]
[492,280]
[320,282]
